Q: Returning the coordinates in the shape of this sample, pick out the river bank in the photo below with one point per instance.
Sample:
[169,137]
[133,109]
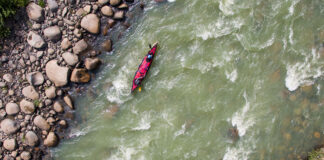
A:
[51,52]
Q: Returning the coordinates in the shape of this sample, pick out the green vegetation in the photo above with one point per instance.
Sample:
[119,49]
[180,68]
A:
[41,3]
[7,9]
[315,155]
[36,102]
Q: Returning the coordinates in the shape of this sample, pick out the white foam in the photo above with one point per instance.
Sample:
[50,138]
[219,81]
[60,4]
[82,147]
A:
[181,131]
[232,76]
[241,119]
[124,153]
[144,123]
[226,6]
[303,73]
[171,0]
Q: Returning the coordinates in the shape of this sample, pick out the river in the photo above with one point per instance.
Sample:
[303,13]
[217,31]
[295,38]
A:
[254,65]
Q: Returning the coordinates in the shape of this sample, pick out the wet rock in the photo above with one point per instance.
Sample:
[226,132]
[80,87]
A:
[35,78]
[9,126]
[119,15]
[31,139]
[7,77]
[25,155]
[80,46]
[114,2]
[35,40]
[107,45]
[30,92]
[107,11]
[57,74]
[9,144]
[50,92]
[80,75]
[51,140]
[41,123]
[12,108]
[35,12]
[91,23]
[58,107]
[53,33]
[65,44]
[52,4]
[92,63]
[70,58]
[27,107]
[67,99]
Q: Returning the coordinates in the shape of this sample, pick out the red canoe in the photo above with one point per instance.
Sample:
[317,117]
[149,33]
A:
[144,67]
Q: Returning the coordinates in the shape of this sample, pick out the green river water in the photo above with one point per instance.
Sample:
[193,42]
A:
[253,64]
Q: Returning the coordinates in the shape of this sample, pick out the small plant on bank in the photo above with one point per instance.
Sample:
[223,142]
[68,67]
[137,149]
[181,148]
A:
[36,102]
[41,3]
[7,9]
[315,155]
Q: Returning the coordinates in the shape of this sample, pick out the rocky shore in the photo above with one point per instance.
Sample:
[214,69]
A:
[49,50]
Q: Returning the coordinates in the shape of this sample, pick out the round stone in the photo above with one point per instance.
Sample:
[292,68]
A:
[12,108]
[9,144]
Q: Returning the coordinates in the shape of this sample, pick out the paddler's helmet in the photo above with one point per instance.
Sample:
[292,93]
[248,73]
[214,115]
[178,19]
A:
[149,57]
[137,81]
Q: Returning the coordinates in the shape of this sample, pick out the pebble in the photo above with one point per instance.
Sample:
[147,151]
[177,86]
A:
[67,99]
[31,139]
[7,77]
[35,12]
[9,126]
[30,92]
[70,58]
[50,92]
[57,74]
[35,78]
[9,144]
[92,63]
[25,155]
[53,33]
[58,107]
[107,11]
[41,123]
[27,107]
[51,140]
[66,44]
[12,108]
[91,23]
[52,4]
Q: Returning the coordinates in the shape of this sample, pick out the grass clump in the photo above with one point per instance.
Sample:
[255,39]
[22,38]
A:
[41,3]
[315,155]
[36,102]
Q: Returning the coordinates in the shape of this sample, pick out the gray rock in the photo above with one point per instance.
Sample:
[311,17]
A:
[9,144]
[119,15]
[114,2]
[30,92]
[25,155]
[51,140]
[92,63]
[27,107]
[35,40]
[31,139]
[107,45]
[12,108]
[8,77]
[80,75]
[35,12]
[52,4]
[58,107]
[41,123]
[9,126]
[65,44]
[91,23]
[2,84]
[70,58]
[102,2]
[35,78]
[87,8]
[80,12]
[48,102]
[36,26]
[53,33]
[80,46]
[57,74]
[63,123]
[50,92]
[8,157]
[107,11]
[67,99]
[77,32]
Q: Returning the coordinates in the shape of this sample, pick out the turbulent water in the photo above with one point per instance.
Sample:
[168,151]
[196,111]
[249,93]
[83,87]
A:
[256,65]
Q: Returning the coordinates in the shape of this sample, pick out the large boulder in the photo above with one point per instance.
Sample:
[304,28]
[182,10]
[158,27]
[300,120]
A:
[70,58]
[35,40]
[92,63]
[52,5]
[31,139]
[30,92]
[53,33]
[80,46]
[9,126]
[35,78]
[9,144]
[27,107]
[12,108]
[107,11]
[80,75]
[41,123]
[91,23]
[57,74]
[51,140]
[35,12]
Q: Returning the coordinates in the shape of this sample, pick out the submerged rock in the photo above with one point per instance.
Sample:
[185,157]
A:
[92,63]
[107,45]
[57,74]
[67,99]
[80,75]
[91,23]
